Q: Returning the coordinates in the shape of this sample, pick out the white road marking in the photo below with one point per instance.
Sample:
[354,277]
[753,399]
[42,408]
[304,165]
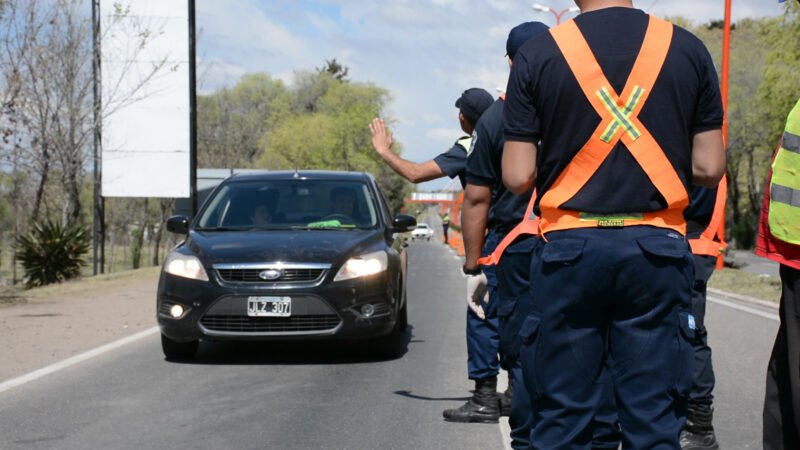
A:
[747,309]
[505,433]
[36,374]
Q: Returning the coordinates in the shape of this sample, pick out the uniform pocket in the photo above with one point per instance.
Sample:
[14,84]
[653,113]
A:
[509,329]
[528,333]
[664,246]
[506,306]
[563,251]
[685,354]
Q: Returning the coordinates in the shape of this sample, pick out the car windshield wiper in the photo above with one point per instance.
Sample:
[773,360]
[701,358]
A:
[339,228]
[220,229]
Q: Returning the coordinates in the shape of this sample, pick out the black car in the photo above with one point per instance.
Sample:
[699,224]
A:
[287,255]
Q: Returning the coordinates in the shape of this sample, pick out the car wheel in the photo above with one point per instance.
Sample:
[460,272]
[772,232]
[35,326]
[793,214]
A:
[389,346]
[178,350]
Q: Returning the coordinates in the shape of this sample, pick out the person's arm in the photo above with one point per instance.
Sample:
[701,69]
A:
[708,158]
[411,171]
[519,166]
[474,218]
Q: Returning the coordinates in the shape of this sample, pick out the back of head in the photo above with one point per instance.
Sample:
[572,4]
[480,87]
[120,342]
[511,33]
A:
[473,102]
[521,34]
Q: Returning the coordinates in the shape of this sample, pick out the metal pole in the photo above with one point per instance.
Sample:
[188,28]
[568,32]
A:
[192,110]
[726,50]
[98,222]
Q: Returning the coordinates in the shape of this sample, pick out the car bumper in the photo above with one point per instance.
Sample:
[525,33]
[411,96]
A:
[327,311]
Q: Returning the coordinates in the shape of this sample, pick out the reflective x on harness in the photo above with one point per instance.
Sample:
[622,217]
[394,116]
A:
[619,123]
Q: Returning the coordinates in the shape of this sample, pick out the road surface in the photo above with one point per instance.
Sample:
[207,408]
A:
[281,396]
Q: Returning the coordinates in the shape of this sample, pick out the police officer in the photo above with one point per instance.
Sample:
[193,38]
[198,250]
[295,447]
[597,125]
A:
[511,293]
[703,217]
[452,163]
[488,206]
[628,112]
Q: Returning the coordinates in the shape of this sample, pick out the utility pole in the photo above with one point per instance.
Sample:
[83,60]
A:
[192,110]
[98,221]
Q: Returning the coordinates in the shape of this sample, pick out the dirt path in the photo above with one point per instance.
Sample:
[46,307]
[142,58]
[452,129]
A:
[58,322]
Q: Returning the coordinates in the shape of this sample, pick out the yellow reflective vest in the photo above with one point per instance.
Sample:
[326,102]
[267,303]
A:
[784,189]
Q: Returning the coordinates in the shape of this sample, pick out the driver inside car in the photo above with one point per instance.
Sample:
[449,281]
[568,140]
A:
[343,205]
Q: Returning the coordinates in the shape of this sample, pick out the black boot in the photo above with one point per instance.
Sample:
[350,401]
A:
[505,401]
[698,433]
[483,407]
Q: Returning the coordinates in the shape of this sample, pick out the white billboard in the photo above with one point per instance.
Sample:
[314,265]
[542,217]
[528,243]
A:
[145,85]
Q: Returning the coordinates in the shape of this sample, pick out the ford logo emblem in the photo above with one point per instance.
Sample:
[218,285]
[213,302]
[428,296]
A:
[270,274]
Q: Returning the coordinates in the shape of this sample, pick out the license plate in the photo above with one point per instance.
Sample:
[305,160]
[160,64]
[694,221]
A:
[269,306]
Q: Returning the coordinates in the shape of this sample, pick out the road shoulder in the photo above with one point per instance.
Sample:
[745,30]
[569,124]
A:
[58,322]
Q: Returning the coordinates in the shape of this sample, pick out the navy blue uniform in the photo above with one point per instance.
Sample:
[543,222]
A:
[617,298]
[454,162]
[563,120]
[698,215]
[505,212]
[484,169]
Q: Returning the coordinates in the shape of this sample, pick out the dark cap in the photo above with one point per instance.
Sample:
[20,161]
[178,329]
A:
[521,33]
[473,102]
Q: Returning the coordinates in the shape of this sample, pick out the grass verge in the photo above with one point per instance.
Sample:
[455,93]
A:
[745,283]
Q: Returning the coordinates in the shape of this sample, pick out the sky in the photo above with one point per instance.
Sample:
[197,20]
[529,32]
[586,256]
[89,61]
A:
[425,52]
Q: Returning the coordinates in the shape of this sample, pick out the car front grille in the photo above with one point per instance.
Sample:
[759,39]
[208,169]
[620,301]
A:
[294,324]
[287,275]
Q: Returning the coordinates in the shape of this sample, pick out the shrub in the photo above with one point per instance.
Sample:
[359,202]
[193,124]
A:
[50,253]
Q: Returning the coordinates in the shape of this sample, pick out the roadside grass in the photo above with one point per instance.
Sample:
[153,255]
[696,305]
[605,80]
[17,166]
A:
[10,295]
[745,283]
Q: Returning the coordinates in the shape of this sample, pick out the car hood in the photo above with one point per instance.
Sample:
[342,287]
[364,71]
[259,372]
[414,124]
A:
[306,246]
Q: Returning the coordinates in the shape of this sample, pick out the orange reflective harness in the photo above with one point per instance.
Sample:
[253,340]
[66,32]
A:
[529,225]
[619,122]
[706,245]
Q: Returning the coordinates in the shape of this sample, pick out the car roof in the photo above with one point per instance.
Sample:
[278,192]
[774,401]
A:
[301,174]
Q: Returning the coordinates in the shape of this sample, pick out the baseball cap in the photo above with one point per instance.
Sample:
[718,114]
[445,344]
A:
[473,102]
[521,33]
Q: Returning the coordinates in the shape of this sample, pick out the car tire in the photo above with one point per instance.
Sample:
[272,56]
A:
[389,346]
[175,351]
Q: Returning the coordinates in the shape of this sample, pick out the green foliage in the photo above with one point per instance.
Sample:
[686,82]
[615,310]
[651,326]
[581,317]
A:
[233,122]
[50,253]
[329,132]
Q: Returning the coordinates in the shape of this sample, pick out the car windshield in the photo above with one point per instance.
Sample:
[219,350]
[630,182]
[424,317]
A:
[290,204]
[422,226]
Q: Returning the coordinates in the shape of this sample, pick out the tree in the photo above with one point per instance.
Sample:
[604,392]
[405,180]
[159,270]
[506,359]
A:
[233,122]
[336,70]
[46,110]
[333,134]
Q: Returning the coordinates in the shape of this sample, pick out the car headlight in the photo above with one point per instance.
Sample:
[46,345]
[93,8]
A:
[362,266]
[186,266]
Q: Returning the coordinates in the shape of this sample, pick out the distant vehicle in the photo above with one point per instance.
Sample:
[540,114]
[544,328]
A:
[287,255]
[423,231]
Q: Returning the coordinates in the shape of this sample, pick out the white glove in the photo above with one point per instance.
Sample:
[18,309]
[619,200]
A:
[477,293]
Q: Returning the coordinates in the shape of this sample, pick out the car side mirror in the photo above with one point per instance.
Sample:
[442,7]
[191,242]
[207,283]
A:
[178,225]
[403,223]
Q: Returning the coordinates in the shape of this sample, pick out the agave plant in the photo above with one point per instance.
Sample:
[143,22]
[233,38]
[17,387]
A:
[51,253]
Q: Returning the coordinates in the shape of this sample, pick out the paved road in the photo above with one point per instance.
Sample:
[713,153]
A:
[325,396]
[749,262]
[267,396]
